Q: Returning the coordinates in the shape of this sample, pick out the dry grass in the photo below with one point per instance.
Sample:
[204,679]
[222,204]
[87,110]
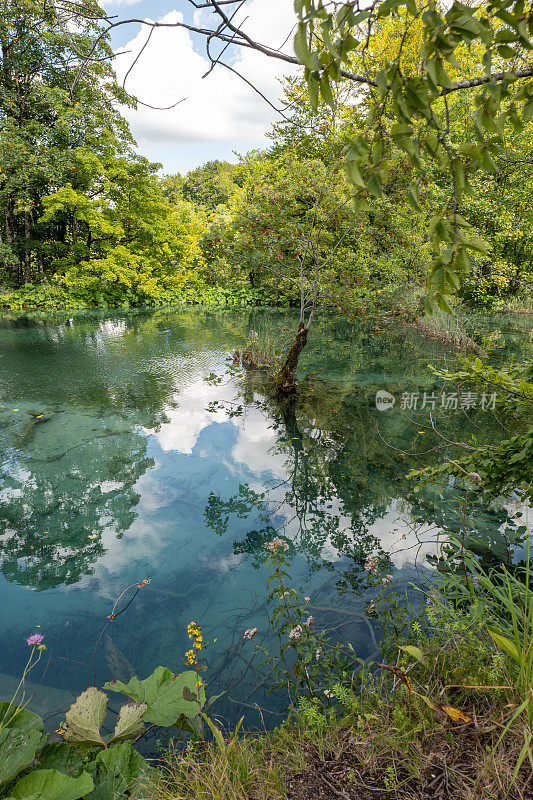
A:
[382,757]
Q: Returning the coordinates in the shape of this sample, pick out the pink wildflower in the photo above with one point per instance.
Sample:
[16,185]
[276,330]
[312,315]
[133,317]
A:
[309,621]
[296,633]
[319,653]
[372,608]
[371,564]
[276,544]
[307,599]
[35,639]
[250,633]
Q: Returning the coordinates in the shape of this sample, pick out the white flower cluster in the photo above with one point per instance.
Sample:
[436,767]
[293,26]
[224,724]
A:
[371,564]
[276,544]
[296,633]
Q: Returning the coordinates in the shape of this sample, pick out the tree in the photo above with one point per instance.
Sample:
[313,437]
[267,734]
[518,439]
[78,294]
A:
[46,116]
[211,185]
[80,206]
[406,93]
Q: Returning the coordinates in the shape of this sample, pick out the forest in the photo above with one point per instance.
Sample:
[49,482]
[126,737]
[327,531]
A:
[90,223]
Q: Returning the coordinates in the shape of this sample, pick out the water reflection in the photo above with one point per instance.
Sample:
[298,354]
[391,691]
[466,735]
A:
[132,449]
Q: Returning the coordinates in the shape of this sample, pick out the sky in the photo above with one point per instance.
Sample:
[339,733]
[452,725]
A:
[219,114]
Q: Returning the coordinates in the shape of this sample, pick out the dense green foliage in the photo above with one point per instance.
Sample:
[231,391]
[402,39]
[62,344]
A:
[87,763]
[85,218]
[87,222]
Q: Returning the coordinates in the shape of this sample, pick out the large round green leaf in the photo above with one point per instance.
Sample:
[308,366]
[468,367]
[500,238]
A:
[130,723]
[85,717]
[61,757]
[115,770]
[167,696]
[21,732]
[48,784]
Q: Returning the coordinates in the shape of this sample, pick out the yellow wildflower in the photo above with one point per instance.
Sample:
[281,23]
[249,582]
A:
[190,655]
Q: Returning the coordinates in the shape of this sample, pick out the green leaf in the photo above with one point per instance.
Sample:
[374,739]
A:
[217,733]
[506,52]
[313,88]
[115,771]
[61,757]
[130,723]
[413,198]
[374,186]
[353,174]
[300,46]
[413,651]
[381,80]
[475,243]
[20,736]
[48,784]
[443,304]
[85,718]
[325,91]
[166,695]
[506,645]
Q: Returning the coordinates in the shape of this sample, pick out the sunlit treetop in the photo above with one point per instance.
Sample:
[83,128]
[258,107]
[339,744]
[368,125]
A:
[408,59]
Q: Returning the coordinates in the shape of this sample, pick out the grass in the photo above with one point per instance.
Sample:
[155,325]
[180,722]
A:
[516,305]
[395,738]
[262,351]
[446,328]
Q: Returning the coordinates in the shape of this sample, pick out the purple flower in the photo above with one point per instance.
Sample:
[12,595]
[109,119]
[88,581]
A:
[35,639]
[475,477]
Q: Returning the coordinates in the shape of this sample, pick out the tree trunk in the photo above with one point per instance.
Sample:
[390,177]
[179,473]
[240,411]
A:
[11,234]
[285,380]
[27,249]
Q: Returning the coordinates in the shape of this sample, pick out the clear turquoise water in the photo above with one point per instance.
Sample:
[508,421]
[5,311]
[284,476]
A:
[143,420]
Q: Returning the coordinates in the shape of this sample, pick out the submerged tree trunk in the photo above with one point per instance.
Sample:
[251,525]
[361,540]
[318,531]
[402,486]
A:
[285,379]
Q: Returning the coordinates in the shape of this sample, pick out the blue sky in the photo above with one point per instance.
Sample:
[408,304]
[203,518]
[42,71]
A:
[219,114]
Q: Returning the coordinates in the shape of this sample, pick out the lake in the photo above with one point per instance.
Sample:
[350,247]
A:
[133,448]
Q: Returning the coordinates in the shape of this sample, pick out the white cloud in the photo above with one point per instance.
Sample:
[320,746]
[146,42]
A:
[219,108]
[114,3]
